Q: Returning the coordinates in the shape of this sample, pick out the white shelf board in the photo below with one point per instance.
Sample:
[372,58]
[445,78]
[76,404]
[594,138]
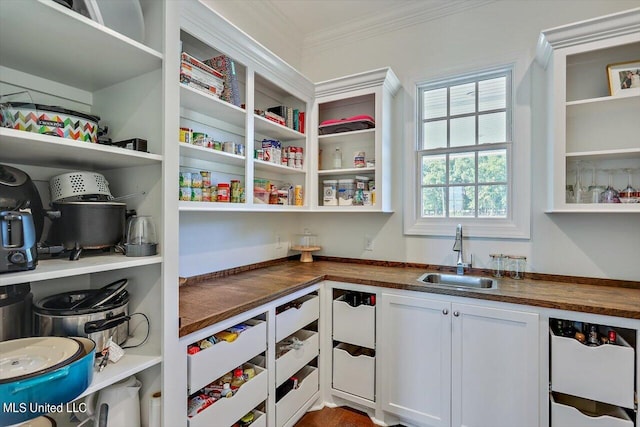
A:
[263,166]
[61,45]
[348,171]
[135,360]
[360,209]
[19,146]
[207,154]
[363,134]
[236,207]
[273,130]
[87,264]
[621,98]
[597,208]
[209,105]
[631,153]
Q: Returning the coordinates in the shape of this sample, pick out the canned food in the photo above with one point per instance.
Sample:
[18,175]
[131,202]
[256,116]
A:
[217,145]
[235,191]
[196,194]
[185,179]
[198,138]
[185,135]
[196,180]
[206,194]
[229,147]
[258,154]
[214,193]
[297,191]
[223,192]
[185,194]
[206,179]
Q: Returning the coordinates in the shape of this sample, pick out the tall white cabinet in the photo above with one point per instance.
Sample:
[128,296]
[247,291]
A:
[460,364]
[58,57]
[588,127]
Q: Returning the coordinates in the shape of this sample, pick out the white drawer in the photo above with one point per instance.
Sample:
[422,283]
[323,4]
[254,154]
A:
[211,363]
[295,399]
[294,360]
[355,375]
[293,319]
[227,411]
[568,411]
[604,373]
[259,419]
[354,325]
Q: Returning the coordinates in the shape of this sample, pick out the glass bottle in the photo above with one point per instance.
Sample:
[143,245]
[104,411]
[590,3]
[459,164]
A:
[337,158]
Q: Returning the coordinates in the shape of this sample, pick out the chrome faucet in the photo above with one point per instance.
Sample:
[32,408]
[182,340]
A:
[457,247]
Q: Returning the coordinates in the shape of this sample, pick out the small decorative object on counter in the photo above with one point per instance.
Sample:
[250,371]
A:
[306,243]
[517,265]
[497,264]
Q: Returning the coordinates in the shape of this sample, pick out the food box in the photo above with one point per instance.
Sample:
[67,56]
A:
[49,120]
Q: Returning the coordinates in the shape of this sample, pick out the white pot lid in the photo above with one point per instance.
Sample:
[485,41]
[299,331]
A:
[27,357]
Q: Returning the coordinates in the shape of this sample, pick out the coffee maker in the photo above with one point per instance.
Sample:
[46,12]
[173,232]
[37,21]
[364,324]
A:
[21,220]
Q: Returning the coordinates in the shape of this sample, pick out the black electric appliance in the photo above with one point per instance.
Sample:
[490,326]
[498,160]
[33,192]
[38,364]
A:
[18,192]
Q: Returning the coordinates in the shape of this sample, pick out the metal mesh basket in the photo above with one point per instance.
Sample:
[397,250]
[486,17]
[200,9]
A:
[78,186]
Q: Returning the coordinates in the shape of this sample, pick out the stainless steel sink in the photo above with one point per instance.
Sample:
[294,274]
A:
[473,282]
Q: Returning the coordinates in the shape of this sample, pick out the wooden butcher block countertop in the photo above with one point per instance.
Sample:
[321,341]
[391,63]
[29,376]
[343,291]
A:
[209,299]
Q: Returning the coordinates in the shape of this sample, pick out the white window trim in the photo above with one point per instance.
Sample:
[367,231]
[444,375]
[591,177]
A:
[518,224]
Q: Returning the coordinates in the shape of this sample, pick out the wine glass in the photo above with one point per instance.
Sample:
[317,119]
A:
[579,191]
[610,195]
[594,189]
[629,194]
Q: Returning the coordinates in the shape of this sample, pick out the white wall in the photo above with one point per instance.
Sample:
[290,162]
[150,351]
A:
[581,245]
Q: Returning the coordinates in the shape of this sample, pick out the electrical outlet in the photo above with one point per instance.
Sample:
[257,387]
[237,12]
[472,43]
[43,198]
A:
[278,242]
[368,243]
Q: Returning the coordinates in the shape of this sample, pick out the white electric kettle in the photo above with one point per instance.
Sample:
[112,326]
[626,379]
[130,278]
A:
[117,405]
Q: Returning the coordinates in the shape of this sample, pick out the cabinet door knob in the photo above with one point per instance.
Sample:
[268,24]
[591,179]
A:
[445,311]
[456,313]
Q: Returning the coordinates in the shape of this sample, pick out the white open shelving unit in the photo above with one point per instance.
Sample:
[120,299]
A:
[90,68]
[588,126]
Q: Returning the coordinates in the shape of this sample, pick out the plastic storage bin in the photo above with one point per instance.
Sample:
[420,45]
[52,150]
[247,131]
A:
[346,191]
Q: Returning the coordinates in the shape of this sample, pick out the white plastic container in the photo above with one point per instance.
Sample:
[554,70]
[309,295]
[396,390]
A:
[346,191]
[330,191]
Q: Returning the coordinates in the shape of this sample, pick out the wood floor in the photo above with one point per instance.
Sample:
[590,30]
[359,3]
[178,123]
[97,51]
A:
[335,417]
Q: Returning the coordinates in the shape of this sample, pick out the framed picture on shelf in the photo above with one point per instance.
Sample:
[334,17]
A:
[624,78]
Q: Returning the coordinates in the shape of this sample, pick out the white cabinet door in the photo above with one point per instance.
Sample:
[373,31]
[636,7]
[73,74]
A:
[416,346]
[494,367]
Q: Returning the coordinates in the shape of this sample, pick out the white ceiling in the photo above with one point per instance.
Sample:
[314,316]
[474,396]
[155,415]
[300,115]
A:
[315,23]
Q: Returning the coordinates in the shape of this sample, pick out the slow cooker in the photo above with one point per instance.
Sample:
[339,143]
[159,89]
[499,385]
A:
[98,314]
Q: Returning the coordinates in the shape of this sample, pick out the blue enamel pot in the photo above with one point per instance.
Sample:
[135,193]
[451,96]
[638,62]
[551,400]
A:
[27,398]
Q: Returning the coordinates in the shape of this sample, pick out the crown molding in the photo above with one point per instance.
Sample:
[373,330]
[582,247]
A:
[401,16]
[380,77]
[590,30]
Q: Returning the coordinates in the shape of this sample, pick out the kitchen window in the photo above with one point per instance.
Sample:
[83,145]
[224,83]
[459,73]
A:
[465,154]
